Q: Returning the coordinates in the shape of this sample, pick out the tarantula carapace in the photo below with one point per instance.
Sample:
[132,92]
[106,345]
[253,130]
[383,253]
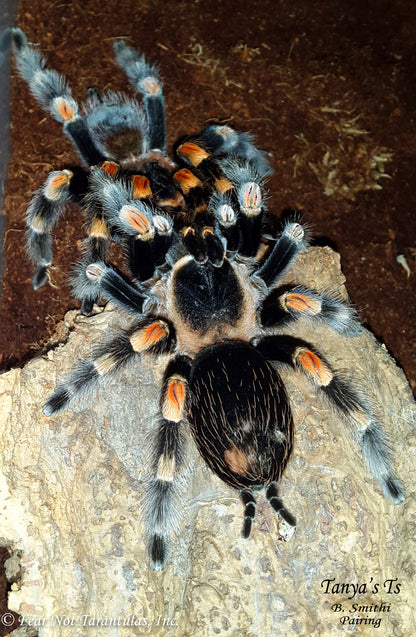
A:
[192,227]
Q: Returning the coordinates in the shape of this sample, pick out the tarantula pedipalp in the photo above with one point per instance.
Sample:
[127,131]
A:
[192,228]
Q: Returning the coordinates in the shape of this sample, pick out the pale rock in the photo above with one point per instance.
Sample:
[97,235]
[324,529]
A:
[71,492]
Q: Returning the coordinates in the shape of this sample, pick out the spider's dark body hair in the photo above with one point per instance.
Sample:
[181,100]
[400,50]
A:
[192,227]
[240,415]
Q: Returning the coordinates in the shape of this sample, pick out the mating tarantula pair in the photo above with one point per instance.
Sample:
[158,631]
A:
[192,228]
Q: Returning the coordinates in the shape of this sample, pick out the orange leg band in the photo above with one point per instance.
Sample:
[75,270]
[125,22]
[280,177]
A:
[315,366]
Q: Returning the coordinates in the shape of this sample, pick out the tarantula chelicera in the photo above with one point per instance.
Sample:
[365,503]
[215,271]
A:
[192,228]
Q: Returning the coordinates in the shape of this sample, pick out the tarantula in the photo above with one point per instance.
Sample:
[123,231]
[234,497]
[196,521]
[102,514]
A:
[193,229]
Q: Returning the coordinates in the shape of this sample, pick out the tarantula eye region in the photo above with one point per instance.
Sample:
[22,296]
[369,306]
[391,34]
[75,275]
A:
[176,201]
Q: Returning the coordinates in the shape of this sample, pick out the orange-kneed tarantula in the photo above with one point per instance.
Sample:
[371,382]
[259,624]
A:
[192,228]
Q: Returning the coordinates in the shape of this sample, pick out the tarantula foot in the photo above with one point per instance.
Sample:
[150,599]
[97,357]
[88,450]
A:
[41,277]
[392,489]
[249,512]
[87,306]
[57,402]
[158,553]
[286,530]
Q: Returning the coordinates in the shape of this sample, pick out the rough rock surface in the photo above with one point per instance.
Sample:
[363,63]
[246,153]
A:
[71,490]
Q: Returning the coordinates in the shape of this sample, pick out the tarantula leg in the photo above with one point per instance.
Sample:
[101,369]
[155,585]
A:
[109,283]
[53,93]
[44,210]
[375,444]
[194,154]
[161,501]
[226,218]
[148,251]
[175,389]
[77,130]
[198,227]
[298,354]
[144,79]
[286,248]
[88,372]
[128,208]
[96,245]
[281,307]
[152,336]
[248,199]
[222,141]
[192,188]
[249,502]
[272,494]
[147,336]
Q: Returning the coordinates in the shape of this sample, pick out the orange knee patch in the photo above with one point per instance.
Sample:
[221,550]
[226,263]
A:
[315,366]
[302,303]
[192,152]
[145,338]
[64,108]
[110,167]
[56,183]
[186,180]
[138,221]
[174,399]
[141,187]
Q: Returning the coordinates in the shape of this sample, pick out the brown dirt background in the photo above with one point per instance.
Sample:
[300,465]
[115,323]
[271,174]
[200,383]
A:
[327,88]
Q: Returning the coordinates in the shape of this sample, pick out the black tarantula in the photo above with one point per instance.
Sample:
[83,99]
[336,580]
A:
[192,228]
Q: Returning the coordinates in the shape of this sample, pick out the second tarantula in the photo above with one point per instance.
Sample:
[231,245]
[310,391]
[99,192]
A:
[192,227]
